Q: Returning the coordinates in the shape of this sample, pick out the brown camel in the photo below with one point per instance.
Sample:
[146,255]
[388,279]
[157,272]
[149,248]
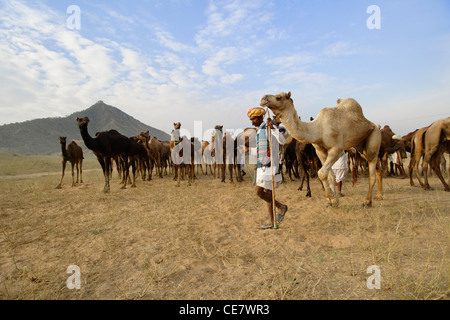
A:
[74,154]
[290,157]
[309,162]
[331,132]
[106,145]
[138,159]
[408,140]
[181,160]
[154,148]
[389,146]
[435,142]
[166,161]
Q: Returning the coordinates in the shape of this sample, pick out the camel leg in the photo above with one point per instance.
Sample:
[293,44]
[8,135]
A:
[78,172]
[328,159]
[159,166]
[134,169]
[435,165]
[62,175]
[416,170]
[81,171]
[191,168]
[126,172]
[175,172]
[384,164]
[301,184]
[230,170]
[150,170]
[410,171]
[222,171]
[373,177]
[73,173]
[308,193]
[178,175]
[379,174]
[106,173]
[425,163]
[371,150]
[331,182]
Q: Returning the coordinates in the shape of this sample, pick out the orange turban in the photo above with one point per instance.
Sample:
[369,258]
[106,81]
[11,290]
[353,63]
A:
[256,112]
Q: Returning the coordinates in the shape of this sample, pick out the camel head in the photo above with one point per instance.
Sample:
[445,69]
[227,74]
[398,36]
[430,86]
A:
[145,134]
[216,131]
[277,103]
[82,121]
[62,139]
[177,125]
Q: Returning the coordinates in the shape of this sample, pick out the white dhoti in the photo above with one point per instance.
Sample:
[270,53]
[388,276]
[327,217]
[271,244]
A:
[264,177]
[340,168]
[393,157]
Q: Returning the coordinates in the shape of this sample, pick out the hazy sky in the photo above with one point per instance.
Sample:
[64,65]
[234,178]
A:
[164,61]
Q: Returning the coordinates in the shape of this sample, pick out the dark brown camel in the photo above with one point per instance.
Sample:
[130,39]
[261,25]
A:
[309,162]
[290,158]
[137,158]
[388,146]
[74,154]
[106,145]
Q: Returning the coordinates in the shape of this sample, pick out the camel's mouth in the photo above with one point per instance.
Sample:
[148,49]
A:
[264,102]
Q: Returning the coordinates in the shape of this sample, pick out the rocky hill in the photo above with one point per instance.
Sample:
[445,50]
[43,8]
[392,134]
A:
[40,136]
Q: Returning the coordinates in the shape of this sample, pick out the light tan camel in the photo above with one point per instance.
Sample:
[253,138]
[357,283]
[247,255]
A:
[435,141]
[74,154]
[207,147]
[331,132]
[417,150]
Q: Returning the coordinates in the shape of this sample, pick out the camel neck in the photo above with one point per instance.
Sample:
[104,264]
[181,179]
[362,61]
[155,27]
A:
[63,149]
[302,131]
[87,139]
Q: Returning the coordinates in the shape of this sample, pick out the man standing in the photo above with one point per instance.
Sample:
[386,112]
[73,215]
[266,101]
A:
[264,165]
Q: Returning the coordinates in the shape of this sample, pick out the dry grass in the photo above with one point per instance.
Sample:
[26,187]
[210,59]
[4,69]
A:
[157,241]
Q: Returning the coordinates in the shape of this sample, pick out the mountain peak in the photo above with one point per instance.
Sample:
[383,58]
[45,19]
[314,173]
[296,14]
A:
[40,136]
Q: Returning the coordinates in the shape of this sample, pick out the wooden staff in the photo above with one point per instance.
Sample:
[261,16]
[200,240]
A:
[275,225]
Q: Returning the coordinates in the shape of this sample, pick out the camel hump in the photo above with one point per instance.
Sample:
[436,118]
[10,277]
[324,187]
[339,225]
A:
[349,104]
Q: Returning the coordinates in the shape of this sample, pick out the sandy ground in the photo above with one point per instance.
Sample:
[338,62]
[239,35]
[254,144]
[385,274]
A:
[157,241]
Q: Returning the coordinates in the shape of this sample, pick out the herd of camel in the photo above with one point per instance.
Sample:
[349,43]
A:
[316,144]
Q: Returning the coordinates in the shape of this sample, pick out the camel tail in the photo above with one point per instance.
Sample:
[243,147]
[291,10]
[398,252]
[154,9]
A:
[354,176]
